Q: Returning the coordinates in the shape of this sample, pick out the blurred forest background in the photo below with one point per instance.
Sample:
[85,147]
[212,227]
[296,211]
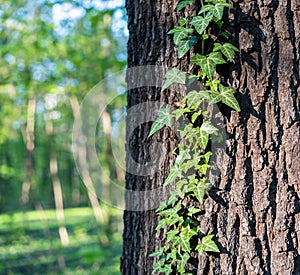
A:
[52,53]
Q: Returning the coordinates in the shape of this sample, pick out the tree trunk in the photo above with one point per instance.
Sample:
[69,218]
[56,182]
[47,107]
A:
[258,227]
[254,208]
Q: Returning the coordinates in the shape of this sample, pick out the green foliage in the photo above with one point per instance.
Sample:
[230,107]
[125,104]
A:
[192,155]
[29,243]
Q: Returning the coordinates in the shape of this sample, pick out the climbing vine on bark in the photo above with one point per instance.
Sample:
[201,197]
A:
[204,32]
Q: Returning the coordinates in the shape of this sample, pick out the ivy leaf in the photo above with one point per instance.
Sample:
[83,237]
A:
[161,224]
[203,139]
[227,97]
[193,99]
[180,112]
[157,253]
[183,4]
[184,238]
[183,47]
[227,49]
[180,33]
[207,244]
[199,190]
[216,10]
[216,58]
[171,211]
[182,262]
[200,23]
[171,234]
[174,76]
[164,118]
[195,116]
[208,64]
[175,172]
[193,210]
[208,127]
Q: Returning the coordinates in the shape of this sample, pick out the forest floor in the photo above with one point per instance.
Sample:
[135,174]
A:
[30,243]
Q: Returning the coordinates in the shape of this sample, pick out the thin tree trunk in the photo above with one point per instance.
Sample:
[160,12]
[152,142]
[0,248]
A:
[57,191]
[100,215]
[29,137]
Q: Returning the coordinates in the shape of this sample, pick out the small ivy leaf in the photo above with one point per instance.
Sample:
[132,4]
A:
[183,4]
[195,116]
[227,49]
[164,118]
[161,224]
[216,58]
[193,99]
[180,33]
[217,10]
[227,97]
[180,112]
[175,172]
[208,127]
[157,253]
[174,76]
[171,211]
[203,139]
[183,47]
[171,234]
[200,23]
[183,21]
[193,210]
[182,263]
[162,206]
[207,244]
[199,190]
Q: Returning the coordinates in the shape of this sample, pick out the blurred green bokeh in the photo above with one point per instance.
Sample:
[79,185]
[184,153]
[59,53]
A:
[52,53]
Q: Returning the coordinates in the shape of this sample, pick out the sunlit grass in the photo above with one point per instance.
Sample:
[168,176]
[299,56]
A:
[30,244]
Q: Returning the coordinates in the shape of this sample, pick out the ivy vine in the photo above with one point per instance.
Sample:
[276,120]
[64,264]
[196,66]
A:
[204,32]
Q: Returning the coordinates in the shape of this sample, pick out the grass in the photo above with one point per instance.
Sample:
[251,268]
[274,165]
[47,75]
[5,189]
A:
[30,243]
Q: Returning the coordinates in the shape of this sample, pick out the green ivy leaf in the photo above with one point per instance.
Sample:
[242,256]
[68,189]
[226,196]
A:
[183,47]
[227,97]
[208,127]
[171,211]
[175,172]
[183,4]
[161,224]
[164,118]
[174,76]
[227,49]
[180,33]
[199,190]
[201,23]
[182,263]
[192,99]
[195,116]
[193,210]
[171,234]
[208,64]
[216,10]
[157,253]
[203,139]
[207,244]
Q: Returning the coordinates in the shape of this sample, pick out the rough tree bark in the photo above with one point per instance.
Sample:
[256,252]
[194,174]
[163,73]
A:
[254,210]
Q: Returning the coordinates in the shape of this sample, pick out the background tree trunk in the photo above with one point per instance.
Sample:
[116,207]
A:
[254,207]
